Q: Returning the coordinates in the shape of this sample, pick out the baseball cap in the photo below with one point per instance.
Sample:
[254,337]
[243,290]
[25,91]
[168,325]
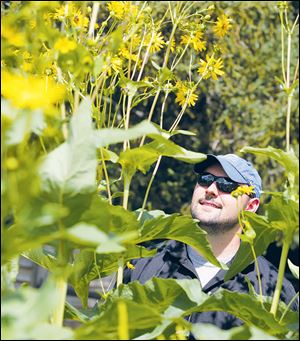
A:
[237,169]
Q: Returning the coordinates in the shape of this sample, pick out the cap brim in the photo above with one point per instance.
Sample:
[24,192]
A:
[230,170]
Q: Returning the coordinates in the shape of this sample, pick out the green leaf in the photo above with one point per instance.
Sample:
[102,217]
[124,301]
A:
[24,122]
[182,228]
[265,234]
[136,318]
[294,269]
[287,159]
[70,169]
[143,157]
[247,308]
[26,312]
[107,136]
[283,214]
[206,331]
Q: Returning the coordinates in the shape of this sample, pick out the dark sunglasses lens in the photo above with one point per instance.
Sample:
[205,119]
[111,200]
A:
[205,179]
[226,185]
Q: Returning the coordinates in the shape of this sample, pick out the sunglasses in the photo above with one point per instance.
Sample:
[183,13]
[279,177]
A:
[224,184]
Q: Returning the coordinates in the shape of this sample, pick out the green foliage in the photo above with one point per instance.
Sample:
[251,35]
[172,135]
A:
[93,96]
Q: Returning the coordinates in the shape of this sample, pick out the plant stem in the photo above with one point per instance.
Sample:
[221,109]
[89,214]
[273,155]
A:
[258,273]
[58,314]
[283,258]
[106,177]
[149,186]
[127,181]
[96,6]
[120,271]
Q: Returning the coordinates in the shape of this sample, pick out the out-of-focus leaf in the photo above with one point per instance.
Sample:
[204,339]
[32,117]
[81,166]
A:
[139,317]
[26,312]
[294,269]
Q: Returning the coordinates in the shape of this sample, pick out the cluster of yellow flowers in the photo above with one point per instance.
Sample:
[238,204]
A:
[245,189]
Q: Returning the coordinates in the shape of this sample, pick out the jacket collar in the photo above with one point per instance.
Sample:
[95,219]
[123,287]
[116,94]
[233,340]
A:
[179,251]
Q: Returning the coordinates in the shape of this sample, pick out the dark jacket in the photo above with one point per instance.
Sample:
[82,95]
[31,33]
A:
[172,261]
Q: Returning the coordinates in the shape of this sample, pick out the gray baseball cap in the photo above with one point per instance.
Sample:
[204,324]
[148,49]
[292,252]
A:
[237,169]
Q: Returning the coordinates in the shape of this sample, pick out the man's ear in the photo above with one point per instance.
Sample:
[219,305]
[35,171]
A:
[252,205]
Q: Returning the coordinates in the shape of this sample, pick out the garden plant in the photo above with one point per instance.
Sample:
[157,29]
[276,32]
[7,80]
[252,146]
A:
[86,91]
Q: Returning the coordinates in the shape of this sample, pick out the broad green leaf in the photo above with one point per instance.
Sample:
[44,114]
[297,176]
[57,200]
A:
[111,219]
[283,214]
[70,169]
[88,266]
[206,331]
[287,159]
[168,148]
[182,228]
[107,136]
[143,157]
[265,234]
[135,317]
[247,308]
[294,269]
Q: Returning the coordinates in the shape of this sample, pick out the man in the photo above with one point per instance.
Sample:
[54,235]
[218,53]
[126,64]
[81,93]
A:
[217,211]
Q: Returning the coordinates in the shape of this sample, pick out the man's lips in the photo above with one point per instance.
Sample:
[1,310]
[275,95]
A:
[210,203]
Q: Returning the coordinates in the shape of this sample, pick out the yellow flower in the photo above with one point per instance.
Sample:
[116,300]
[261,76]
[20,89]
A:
[194,39]
[12,35]
[126,54]
[11,163]
[123,10]
[222,25]
[130,266]
[116,9]
[64,45]
[243,189]
[185,95]
[211,67]
[78,20]
[116,64]
[30,92]
[157,41]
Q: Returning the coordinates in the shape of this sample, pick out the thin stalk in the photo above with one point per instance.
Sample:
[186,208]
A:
[151,113]
[76,101]
[258,273]
[64,124]
[42,144]
[146,56]
[287,84]
[288,118]
[96,6]
[98,272]
[127,118]
[283,258]
[288,306]
[120,271]
[149,186]
[127,181]
[106,177]
[282,47]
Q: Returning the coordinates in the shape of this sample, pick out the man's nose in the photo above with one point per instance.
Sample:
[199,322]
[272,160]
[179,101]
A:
[212,190]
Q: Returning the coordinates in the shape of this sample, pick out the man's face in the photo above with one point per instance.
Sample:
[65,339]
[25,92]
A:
[217,211]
